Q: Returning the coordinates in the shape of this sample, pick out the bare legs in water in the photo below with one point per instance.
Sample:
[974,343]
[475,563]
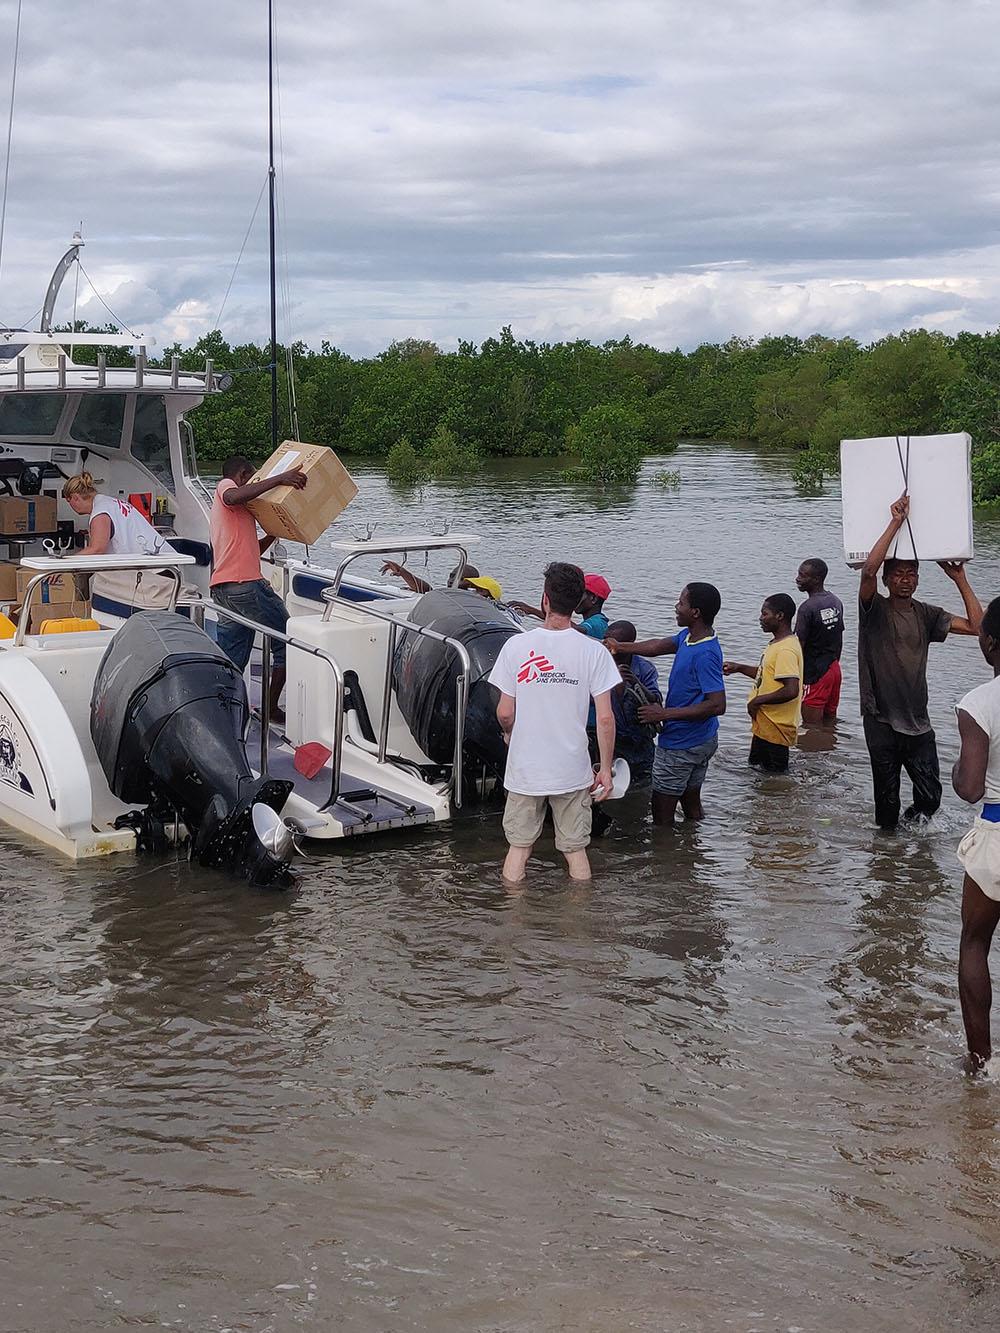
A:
[979,919]
[665,807]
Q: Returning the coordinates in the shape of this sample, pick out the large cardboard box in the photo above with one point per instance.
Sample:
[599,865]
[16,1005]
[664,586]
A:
[39,612]
[56,588]
[8,582]
[302,516]
[934,470]
[22,514]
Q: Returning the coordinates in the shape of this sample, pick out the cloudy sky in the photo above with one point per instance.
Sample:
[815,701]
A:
[574,168]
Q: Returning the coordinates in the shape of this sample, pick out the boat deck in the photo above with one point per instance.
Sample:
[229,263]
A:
[359,808]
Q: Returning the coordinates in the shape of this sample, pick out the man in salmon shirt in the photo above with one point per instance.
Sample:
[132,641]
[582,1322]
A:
[237,581]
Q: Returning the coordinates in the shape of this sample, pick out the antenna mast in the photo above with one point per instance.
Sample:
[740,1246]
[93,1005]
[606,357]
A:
[270,230]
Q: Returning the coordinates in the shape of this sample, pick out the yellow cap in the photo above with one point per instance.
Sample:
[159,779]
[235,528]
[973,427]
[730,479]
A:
[488,585]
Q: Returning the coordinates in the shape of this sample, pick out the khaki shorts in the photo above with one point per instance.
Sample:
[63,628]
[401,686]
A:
[524,816]
[979,853]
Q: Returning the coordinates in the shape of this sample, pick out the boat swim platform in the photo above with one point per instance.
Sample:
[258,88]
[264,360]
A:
[359,809]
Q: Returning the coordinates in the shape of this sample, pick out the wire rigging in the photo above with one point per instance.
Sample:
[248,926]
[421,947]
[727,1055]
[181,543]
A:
[239,257]
[120,322]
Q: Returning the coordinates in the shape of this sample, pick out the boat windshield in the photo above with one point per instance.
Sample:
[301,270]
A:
[150,439]
[30,413]
[99,419]
[11,351]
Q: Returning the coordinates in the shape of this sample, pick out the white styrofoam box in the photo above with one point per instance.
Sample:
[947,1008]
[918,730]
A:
[934,469]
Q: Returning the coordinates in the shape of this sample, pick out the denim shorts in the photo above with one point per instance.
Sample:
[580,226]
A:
[678,771]
[257,601]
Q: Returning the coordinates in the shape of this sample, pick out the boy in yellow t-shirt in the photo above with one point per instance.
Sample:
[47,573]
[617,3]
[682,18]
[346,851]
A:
[774,703]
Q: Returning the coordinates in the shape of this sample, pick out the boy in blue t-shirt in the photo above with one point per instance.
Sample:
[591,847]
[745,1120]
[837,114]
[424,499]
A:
[594,624]
[597,591]
[696,699]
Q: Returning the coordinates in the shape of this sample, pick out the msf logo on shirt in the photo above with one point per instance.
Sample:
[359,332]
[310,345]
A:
[537,666]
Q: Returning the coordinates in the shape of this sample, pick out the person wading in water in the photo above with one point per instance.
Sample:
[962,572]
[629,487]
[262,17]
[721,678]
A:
[819,625]
[976,776]
[893,637]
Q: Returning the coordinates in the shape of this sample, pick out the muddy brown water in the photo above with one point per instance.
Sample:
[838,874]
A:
[717,1090]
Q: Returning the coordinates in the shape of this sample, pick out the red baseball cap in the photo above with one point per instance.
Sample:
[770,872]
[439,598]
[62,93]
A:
[598,585]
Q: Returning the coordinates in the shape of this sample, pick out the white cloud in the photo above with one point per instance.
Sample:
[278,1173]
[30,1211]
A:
[575,169]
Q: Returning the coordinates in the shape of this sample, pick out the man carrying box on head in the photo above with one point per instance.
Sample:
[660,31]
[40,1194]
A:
[237,581]
[894,635]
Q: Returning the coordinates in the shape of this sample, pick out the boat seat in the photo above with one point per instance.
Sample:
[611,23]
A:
[201,551]
[69,625]
[311,587]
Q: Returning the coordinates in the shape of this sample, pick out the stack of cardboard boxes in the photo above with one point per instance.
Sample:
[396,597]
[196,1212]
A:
[56,599]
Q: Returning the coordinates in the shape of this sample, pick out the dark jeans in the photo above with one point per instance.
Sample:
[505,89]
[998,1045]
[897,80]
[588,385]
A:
[772,758]
[256,601]
[889,752]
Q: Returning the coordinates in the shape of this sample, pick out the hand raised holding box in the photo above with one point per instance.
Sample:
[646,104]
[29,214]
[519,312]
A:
[294,477]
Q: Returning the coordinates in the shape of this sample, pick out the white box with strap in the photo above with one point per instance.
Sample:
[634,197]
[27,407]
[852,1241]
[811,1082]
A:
[934,470]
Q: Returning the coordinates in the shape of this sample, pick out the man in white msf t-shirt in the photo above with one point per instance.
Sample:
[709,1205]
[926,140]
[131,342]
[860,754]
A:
[546,680]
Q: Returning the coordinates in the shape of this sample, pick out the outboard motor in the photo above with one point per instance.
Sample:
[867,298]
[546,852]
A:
[425,671]
[168,716]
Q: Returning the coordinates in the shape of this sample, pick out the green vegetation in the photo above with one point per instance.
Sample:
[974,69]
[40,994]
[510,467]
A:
[608,440]
[669,480]
[402,464]
[434,413]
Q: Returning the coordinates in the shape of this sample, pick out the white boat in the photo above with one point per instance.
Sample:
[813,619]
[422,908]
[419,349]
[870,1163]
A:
[129,426]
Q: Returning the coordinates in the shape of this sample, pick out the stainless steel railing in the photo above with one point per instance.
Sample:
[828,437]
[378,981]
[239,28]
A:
[156,376]
[268,635]
[402,547]
[461,684]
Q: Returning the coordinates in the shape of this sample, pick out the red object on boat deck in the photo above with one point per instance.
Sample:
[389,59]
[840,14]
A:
[310,758]
[143,501]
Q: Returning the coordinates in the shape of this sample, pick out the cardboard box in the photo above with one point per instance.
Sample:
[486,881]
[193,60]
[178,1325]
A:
[58,588]
[302,516]
[8,582]
[39,612]
[22,514]
[934,469]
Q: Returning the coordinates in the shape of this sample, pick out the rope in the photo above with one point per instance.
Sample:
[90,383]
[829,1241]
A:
[232,277]
[10,129]
[905,469]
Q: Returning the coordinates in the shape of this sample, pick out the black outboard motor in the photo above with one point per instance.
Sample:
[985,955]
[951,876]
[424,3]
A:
[168,716]
[424,674]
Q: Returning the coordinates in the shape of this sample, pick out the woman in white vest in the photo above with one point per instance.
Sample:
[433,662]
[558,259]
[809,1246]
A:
[116,528]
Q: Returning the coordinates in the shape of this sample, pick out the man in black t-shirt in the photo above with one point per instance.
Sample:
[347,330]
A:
[820,629]
[893,637]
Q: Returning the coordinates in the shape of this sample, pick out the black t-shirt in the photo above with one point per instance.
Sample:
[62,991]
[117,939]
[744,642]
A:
[892,661]
[820,627]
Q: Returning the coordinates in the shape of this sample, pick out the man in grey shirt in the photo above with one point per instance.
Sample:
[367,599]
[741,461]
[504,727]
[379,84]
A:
[893,638]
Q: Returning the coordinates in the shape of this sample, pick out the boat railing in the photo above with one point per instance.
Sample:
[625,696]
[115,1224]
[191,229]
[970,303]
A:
[411,544]
[47,565]
[146,376]
[461,683]
[268,636]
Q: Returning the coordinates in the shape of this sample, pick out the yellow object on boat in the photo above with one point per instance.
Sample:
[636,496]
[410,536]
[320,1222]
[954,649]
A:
[68,625]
